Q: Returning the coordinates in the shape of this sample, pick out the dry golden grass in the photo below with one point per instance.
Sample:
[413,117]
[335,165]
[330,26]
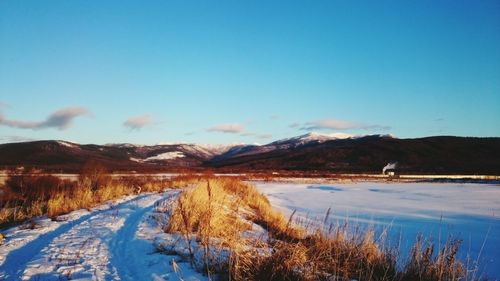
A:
[32,196]
[217,207]
[184,180]
[207,210]
[24,196]
[424,264]
[218,211]
[214,205]
[27,196]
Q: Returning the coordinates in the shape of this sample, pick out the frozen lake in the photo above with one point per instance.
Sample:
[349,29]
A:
[470,212]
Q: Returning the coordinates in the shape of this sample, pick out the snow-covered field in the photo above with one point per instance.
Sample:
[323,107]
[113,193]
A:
[119,240]
[111,242]
[467,211]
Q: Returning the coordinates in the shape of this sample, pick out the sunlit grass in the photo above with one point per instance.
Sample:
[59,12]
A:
[217,211]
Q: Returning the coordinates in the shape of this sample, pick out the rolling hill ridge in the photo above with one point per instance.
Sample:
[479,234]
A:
[309,152]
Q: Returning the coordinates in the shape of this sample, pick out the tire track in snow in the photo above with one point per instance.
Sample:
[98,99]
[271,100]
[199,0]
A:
[125,247]
[131,256]
[17,260]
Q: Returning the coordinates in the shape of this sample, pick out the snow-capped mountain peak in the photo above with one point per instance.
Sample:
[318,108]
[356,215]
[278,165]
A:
[309,137]
[67,144]
[124,145]
[314,136]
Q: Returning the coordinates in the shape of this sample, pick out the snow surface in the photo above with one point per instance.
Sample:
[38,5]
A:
[467,211]
[120,240]
[217,149]
[125,145]
[111,242]
[305,139]
[166,156]
[67,144]
[207,150]
[314,136]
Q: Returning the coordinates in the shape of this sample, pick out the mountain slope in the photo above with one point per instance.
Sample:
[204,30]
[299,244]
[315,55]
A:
[333,153]
[284,144]
[66,156]
[435,155]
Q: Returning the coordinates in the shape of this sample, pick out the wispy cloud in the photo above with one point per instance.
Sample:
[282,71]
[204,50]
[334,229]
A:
[227,128]
[294,125]
[335,124]
[16,139]
[274,117]
[139,122]
[264,136]
[60,119]
[260,136]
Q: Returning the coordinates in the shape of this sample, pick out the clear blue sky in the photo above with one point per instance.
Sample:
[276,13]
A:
[247,71]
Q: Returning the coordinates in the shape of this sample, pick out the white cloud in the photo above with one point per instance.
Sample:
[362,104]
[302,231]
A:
[227,128]
[335,124]
[264,136]
[138,122]
[260,136]
[60,119]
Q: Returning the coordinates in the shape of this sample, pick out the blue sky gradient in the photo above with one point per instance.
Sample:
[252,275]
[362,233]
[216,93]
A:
[247,71]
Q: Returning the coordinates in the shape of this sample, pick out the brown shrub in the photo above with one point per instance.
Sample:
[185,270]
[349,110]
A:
[27,195]
[94,175]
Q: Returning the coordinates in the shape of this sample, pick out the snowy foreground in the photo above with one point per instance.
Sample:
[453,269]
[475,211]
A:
[120,240]
[470,212]
[112,242]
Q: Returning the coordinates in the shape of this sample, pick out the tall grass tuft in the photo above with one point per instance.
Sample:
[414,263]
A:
[218,211]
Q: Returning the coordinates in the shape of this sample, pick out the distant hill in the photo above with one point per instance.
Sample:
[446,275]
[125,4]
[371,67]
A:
[70,157]
[431,155]
[310,152]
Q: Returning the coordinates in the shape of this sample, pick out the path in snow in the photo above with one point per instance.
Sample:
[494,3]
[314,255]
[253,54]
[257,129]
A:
[17,260]
[125,247]
[106,244]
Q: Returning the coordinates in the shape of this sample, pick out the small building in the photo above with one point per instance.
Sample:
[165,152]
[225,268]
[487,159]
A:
[390,169]
[390,173]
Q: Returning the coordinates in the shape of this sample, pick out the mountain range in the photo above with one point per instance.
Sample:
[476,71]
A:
[336,153]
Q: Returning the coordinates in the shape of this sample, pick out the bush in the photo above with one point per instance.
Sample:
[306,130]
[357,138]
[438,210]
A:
[94,176]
